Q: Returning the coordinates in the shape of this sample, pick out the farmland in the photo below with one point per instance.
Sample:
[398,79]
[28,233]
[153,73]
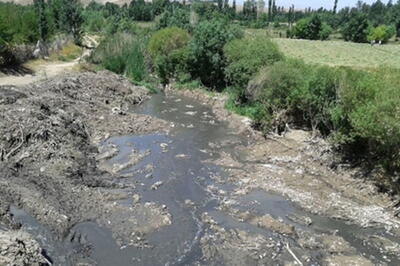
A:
[340,53]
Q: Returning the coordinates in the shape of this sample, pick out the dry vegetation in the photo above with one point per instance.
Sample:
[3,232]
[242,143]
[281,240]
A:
[67,53]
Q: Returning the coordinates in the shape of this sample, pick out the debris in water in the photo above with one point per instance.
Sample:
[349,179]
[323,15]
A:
[136,198]
[183,156]
[156,185]
[191,113]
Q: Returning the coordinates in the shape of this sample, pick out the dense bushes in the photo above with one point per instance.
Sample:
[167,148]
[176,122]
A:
[368,114]
[246,56]
[167,40]
[356,109]
[206,51]
[177,17]
[356,30]
[312,28]
[167,48]
[381,33]
[18,24]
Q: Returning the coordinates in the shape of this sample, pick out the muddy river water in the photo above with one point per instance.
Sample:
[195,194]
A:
[185,182]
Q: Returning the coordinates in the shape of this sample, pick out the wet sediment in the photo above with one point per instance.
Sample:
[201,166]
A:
[174,182]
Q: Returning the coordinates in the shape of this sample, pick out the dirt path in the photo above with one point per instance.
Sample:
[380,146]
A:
[41,72]
[43,69]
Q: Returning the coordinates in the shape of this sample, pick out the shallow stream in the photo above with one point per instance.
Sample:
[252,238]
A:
[177,160]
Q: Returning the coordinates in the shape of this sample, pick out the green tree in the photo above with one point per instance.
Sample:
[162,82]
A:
[159,6]
[269,10]
[178,17]
[335,7]
[40,8]
[72,18]
[274,10]
[312,29]
[206,49]
[245,57]
[377,13]
[356,30]
[398,29]
[139,10]
[381,33]
[167,47]
[220,4]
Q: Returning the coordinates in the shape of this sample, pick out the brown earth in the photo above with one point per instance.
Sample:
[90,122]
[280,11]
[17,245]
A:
[49,137]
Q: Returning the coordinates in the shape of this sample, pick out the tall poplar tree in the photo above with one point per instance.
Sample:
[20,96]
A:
[40,8]
[71,17]
[335,7]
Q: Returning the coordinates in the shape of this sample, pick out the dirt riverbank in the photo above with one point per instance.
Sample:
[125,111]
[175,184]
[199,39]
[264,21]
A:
[296,165]
[49,153]
[119,177]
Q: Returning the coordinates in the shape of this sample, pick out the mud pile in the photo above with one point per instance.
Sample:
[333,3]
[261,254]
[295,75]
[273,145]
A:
[49,136]
[18,248]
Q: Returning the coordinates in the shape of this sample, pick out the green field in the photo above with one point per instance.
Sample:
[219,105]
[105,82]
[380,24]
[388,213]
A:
[340,53]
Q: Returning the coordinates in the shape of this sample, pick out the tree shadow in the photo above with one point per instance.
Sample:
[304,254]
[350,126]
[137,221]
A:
[16,70]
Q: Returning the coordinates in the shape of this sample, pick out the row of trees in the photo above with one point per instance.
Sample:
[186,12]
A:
[27,24]
[364,22]
[360,24]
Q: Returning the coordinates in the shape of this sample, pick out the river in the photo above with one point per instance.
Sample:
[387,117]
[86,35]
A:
[186,182]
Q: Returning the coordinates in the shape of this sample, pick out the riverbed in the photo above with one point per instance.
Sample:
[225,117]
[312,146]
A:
[207,221]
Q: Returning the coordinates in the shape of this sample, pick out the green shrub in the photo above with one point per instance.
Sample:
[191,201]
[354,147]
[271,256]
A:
[356,30]
[168,49]
[312,28]
[93,21]
[167,40]
[177,17]
[357,109]
[245,57]
[18,24]
[315,100]
[381,33]
[173,66]
[274,88]
[325,32]
[206,51]
[369,113]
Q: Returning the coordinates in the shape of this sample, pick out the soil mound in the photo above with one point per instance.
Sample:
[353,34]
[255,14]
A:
[49,136]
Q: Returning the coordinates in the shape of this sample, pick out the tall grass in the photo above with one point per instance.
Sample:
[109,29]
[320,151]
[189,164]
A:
[123,54]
